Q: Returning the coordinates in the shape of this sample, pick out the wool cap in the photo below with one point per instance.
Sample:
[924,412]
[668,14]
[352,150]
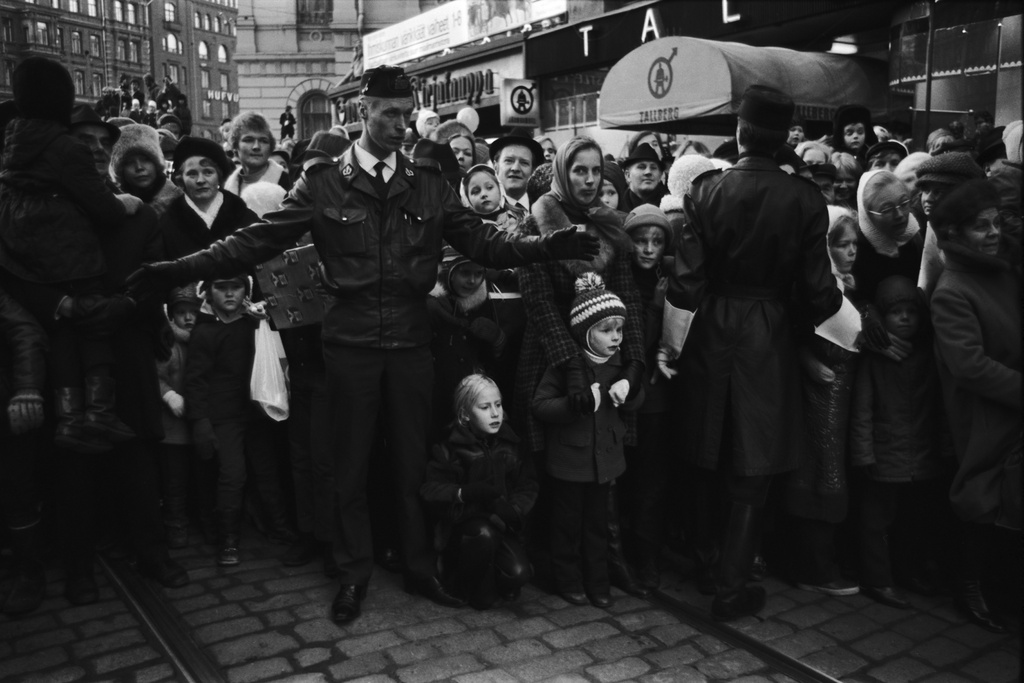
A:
[949,169]
[887,146]
[244,280]
[643,152]
[450,260]
[168,143]
[896,289]
[962,205]
[593,303]
[385,81]
[43,89]
[648,215]
[168,118]
[828,170]
[991,147]
[421,121]
[187,294]
[135,139]
[189,147]
[766,107]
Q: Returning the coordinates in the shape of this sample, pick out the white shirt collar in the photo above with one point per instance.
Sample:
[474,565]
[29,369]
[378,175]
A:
[210,215]
[523,201]
[367,161]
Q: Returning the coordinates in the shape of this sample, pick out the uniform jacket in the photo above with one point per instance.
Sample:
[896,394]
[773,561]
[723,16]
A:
[54,206]
[22,350]
[548,290]
[588,448]
[465,458]
[185,232]
[752,233]
[977,318]
[219,368]
[379,258]
[896,415]
[171,374]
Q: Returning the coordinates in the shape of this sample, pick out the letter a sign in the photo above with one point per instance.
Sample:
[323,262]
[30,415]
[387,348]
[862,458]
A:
[520,103]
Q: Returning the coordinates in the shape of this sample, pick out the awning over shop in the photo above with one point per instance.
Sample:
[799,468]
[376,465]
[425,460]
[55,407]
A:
[692,85]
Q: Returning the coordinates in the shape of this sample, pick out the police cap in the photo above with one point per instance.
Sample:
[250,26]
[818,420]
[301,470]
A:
[385,81]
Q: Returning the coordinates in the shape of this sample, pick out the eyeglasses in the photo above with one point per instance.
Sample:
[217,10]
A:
[397,83]
[901,208]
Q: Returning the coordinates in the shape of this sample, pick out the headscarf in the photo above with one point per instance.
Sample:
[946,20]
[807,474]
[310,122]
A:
[613,174]
[882,242]
[606,221]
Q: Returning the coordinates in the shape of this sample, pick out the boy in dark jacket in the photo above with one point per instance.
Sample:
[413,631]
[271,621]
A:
[584,440]
[895,438]
[54,210]
[225,421]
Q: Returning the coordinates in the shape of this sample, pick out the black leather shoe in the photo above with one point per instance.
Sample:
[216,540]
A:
[887,595]
[432,589]
[389,560]
[971,602]
[574,597]
[601,600]
[345,607]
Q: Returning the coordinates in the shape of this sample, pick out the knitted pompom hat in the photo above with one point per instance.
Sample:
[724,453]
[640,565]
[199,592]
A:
[135,139]
[895,289]
[593,303]
[422,117]
[680,176]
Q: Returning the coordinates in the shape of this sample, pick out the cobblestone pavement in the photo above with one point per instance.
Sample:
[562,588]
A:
[265,622]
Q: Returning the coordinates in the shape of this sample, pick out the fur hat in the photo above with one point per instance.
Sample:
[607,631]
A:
[187,294]
[43,89]
[593,303]
[895,289]
[135,139]
[263,197]
[680,176]
[539,183]
[120,121]
[648,215]
[852,113]
[421,121]
[953,168]
[962,205]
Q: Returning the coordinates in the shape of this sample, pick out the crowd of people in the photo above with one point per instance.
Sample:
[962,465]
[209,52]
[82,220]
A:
[536,361]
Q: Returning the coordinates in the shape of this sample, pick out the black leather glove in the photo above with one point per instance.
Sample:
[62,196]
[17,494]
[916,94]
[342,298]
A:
[486,330]
[632,372]
[506,512]
[576,375]
[875,336]
[583,402]
[479,492]
[205,439]
[100,315]
[154,279]
[570,244]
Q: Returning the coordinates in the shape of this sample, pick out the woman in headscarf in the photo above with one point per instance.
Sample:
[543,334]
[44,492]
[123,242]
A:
[548,291]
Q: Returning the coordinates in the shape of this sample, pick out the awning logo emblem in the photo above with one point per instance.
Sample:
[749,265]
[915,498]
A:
[659,77]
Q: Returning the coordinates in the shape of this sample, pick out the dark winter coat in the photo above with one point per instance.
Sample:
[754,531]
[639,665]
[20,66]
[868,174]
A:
[977,319]
[22,350]
[896,416]
[159,196]
[587,448]
[54,206]
[219,369]
[647,282]
[871,267]
[465,458]
[379,258]
[548,290]
[633,200]
[185,232]
[752,233]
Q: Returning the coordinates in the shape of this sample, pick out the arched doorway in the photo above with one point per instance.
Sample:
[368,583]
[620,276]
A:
[314,114]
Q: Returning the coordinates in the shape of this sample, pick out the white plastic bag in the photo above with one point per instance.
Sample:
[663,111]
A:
[268,386]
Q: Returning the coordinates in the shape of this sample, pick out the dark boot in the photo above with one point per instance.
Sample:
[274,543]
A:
[733,597]
[176,521]
[100,418]
[71,432]
[971,601]
[229,526]
[619,572]
[29,582]
[648,573]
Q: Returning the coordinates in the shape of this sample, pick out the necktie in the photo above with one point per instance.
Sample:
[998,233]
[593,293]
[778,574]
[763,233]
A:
[379,184]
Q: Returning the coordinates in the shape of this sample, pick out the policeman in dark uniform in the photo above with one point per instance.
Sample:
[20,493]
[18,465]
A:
[752,233]
[378,222]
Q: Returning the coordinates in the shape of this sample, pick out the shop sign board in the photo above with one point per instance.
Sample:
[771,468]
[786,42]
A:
[454,23]
[520,103]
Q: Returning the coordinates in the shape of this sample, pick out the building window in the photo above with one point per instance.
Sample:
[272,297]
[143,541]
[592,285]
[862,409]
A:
[207,109]
[196,21]
[224,82]
[314,11]
[216,24]
[206,22]
[55,4]
[94,45]
[133,51]
[76,43]
[8,31]
[97,85]
[170,11]
[222,54]
[122,50]
[79,82]
[8,73]
[91,8]
[59,39]
[132,13]
[172,44]
[171,71]
[204,79]
[42,33]
[118,10]
[204,50]
[74,6]
[314,114]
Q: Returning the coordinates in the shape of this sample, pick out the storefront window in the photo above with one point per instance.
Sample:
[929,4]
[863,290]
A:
[571,101]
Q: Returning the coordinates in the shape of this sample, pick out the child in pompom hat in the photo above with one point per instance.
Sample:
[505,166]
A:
[584,438]
[895,437]
[54,207]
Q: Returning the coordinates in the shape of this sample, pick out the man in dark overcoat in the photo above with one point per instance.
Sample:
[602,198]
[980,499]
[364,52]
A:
[378,222]
[753,235]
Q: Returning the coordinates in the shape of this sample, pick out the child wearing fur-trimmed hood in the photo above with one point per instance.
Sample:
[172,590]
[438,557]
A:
[482,193]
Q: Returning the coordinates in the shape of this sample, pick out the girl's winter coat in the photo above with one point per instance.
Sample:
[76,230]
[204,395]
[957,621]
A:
[219,368]
[584,448]
[466,458]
